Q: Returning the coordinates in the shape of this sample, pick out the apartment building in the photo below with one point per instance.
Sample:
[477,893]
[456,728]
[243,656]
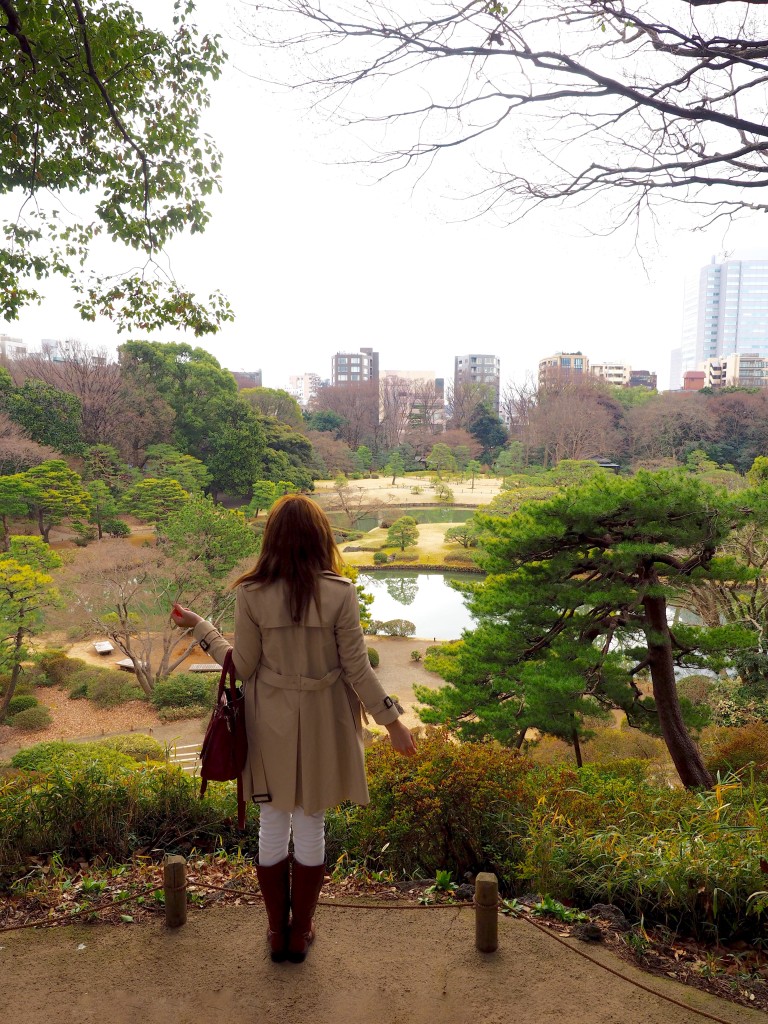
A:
[562,366]
[482,369]
[743,370]
[355,367]
[304,387]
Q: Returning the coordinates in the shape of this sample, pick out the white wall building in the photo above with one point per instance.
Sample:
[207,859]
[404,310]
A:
[740,369]
[12,348]
[303,387]
[617,374]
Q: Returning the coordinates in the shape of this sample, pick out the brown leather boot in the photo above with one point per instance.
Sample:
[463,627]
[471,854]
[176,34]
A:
[306,884]
[275,888]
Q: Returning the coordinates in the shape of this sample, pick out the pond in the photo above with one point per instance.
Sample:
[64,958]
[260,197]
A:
[433,514]
[424,598]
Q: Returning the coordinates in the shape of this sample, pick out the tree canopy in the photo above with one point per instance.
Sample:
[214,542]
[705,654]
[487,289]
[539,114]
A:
[644,103]
[96,103]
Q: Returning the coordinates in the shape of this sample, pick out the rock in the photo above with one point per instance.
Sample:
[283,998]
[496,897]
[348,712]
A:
[614,917]
[465,892]
[589,932]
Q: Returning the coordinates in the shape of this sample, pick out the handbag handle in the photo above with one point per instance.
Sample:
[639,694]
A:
[227,669]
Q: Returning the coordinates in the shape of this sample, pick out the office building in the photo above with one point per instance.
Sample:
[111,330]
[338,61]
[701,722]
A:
[725,313]
[355,367]
[483,370]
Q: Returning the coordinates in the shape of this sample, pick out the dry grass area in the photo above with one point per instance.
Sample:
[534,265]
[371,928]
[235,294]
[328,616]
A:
[400,493]
[432,548]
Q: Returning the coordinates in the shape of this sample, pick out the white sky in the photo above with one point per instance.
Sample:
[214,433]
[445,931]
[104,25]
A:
[315,259]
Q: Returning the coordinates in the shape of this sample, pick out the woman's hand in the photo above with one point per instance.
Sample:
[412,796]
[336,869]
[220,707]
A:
[184,618]
[401,738]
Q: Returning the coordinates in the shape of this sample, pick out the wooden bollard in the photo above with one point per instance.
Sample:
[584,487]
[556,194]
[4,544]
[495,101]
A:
[175,885]
[486,912]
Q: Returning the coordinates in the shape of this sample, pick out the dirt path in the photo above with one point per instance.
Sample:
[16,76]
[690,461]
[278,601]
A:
[380,967]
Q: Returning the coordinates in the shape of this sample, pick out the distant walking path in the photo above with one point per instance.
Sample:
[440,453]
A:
[366,966]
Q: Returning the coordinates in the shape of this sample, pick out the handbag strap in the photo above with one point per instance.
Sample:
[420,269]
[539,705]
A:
[227,669]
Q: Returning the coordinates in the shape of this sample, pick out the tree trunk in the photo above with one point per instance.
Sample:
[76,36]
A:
[683,751]
[6,535]
[521,738]
[44,530]
[18,640]
[577,748]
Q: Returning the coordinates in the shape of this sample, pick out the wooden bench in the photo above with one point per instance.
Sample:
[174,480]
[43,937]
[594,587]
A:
[103,647]
[203,666]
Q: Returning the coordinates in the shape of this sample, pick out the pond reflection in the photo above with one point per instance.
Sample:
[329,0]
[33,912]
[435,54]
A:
[424,598]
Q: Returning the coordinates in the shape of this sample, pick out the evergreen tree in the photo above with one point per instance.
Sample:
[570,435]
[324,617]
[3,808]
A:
[395,465]
[575,606]
[26,590]
[403,532]
[56,493]
[154,500]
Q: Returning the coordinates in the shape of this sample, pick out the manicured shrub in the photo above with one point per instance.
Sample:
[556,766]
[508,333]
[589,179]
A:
[373,657]
[117,528]
[107,688]
[415,655]
[397,627]
[607,745]
[136,745]
[183,690]
[178,714]
[20,702]
[444,808]
[696,688]
[741,750]
[45,757]
[380,557]
[32,719]
[58,667]
[461,558]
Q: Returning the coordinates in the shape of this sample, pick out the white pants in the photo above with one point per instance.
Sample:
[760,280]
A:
[274,833]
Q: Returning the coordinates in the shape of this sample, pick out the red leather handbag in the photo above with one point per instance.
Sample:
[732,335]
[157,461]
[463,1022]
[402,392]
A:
[225,746]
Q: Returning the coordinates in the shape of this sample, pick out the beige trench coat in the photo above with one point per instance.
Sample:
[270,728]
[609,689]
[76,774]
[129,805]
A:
[304,688]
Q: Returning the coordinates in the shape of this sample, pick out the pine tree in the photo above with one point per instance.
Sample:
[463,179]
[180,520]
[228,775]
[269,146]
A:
[575,606]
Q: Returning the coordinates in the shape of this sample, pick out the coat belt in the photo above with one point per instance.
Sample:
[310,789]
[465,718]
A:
[286,682]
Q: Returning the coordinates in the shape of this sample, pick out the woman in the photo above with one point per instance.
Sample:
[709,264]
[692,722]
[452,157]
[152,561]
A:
[300,651]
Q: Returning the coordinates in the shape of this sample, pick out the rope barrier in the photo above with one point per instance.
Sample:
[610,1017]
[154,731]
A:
[630,981]
[53,922]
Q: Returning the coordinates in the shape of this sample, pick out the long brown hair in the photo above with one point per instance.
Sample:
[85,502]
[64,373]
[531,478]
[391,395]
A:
[297,544]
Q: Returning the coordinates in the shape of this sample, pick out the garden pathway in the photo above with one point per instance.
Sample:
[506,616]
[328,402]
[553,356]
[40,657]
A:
[380,967]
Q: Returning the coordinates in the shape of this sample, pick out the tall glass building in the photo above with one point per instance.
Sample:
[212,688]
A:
[725,313]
